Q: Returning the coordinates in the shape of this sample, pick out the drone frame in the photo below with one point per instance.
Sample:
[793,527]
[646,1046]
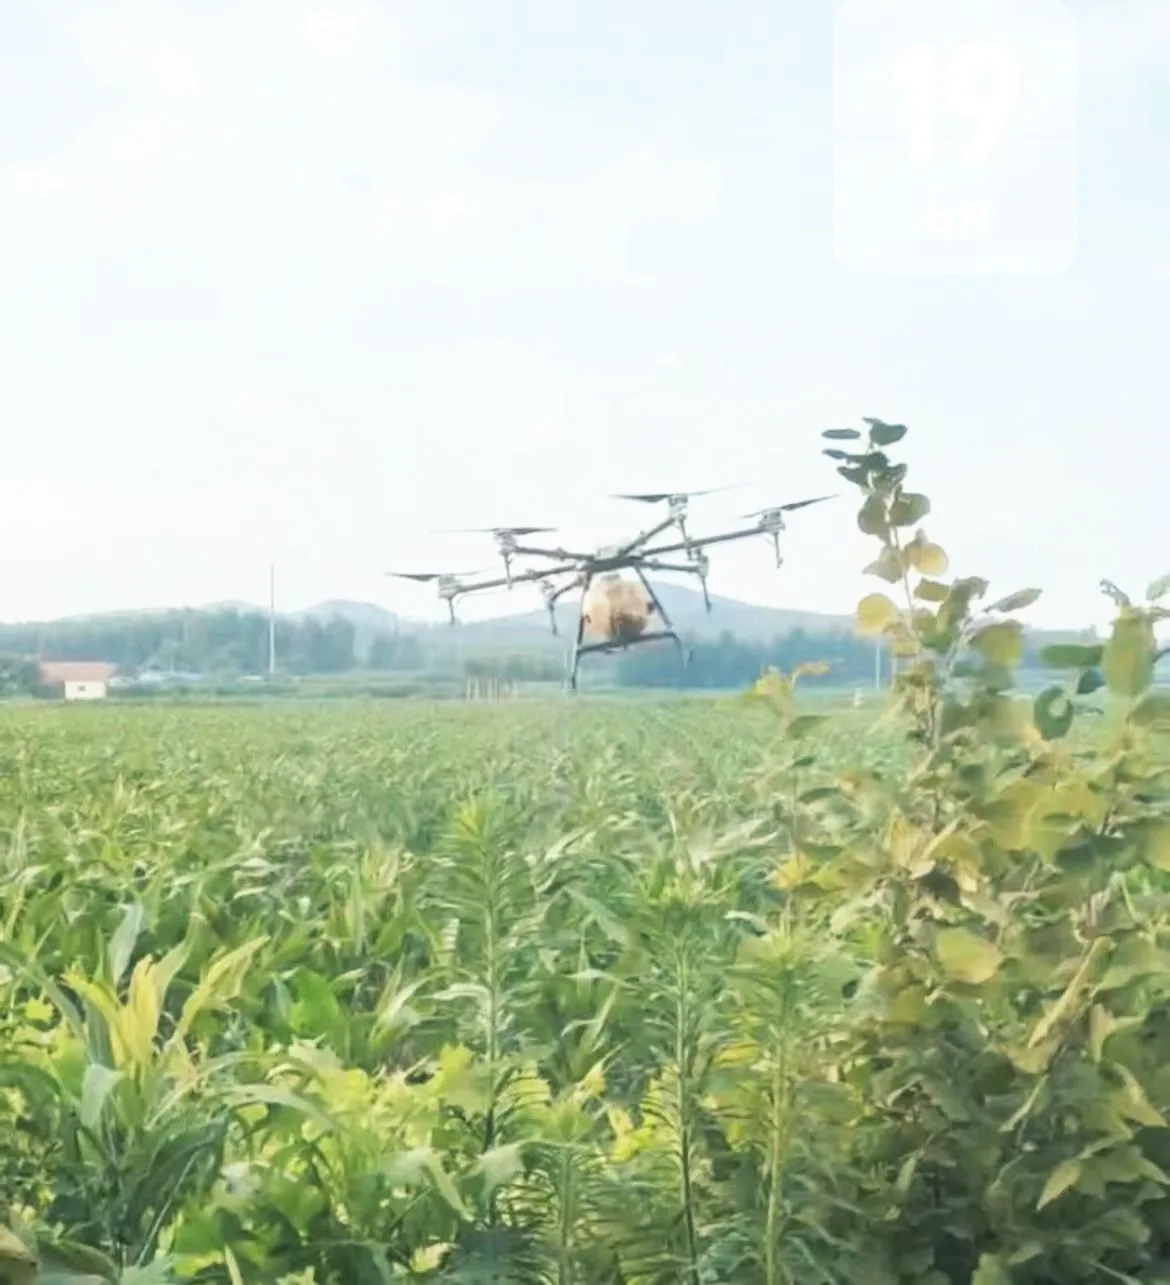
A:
[638,555]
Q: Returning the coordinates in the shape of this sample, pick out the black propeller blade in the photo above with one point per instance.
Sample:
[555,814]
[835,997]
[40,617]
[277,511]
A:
[657,497]
[791,507]
[498,530]
[431,575]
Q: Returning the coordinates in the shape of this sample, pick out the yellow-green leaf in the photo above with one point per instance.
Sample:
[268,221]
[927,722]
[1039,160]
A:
[1002,643]
[872,517]
[1153,711]
[1102,1024]
[1155,845]
[500,1166]
[931,591]
[887,566]
[926,558]
[1129,655]
[1053,713]
[18,1263]
[1016,601]
[1064,1176]
[1067,1004]
[875,614]
[1132,1101]
[991,1271]
[908,509]
[965,956]
[1072,655]
[883,434]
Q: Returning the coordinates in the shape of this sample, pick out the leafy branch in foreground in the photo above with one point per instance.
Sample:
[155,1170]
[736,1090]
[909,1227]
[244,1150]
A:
[1004,1040]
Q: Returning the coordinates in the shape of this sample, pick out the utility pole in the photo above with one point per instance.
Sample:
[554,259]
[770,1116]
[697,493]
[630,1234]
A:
[272,620]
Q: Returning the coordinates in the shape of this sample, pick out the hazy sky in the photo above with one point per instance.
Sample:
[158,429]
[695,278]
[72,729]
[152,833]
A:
[305,281]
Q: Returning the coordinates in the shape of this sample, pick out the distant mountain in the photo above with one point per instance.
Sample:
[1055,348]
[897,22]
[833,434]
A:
[365,616]
[530,629]
[235,604]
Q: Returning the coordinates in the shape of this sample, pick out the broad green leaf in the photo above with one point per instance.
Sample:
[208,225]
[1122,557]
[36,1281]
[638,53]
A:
[160,1272]
[420,1164]
[926,558]
[18,1263]
[1002,643]
[841,434]
[883,434]
[274,1095]
[1155,845]
[1072,655]
[872,518]
[1102,1024]
[500,1166]
[1016,601]
[1132,1100]
[875,614]
[235,1275]
[220,983]
[1061,1179]
[888,565]
[1089,681]
[804,726]
[931,591]
[1128,663]
[1067,1005]
[76,1262]
[1053,713]
[96,1088]
[965,956]
[123,941]
[1158,589]
[908,509]
[1153,711]
[811,669]
[992,1270]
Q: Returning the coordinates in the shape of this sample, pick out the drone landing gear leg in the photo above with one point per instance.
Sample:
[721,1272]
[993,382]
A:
[668,631]
[578,648]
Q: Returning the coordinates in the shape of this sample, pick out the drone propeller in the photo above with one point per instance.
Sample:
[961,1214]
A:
[498,530]
[657,497]
[432,575]
[787,508]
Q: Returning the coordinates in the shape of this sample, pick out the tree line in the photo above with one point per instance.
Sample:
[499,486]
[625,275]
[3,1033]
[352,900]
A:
[228,643]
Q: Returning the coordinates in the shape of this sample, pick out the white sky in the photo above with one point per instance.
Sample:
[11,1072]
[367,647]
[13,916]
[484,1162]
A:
[305,281]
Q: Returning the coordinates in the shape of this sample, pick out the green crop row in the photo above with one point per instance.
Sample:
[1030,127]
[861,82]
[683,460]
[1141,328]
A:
[604,992]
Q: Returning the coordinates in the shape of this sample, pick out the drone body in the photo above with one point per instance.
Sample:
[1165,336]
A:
[614,612]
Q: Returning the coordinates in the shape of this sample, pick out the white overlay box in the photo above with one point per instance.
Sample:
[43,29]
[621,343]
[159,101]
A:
[955,148]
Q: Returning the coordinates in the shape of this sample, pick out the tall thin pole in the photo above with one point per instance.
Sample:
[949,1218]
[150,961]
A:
[272,620]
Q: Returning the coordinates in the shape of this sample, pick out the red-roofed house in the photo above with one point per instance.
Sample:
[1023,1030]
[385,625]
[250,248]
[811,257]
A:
[80,680]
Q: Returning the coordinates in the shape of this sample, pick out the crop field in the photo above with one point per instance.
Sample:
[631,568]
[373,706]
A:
[348,988]
[747,991]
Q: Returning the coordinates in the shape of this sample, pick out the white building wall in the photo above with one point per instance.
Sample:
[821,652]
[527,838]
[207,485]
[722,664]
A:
[85,691]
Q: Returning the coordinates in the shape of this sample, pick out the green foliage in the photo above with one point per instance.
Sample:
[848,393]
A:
[640,992]
[1012,1122]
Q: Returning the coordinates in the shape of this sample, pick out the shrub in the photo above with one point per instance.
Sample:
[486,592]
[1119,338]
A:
[1009,1049]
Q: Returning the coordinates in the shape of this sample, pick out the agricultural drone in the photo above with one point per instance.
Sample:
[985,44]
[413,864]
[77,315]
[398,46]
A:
[615,612]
